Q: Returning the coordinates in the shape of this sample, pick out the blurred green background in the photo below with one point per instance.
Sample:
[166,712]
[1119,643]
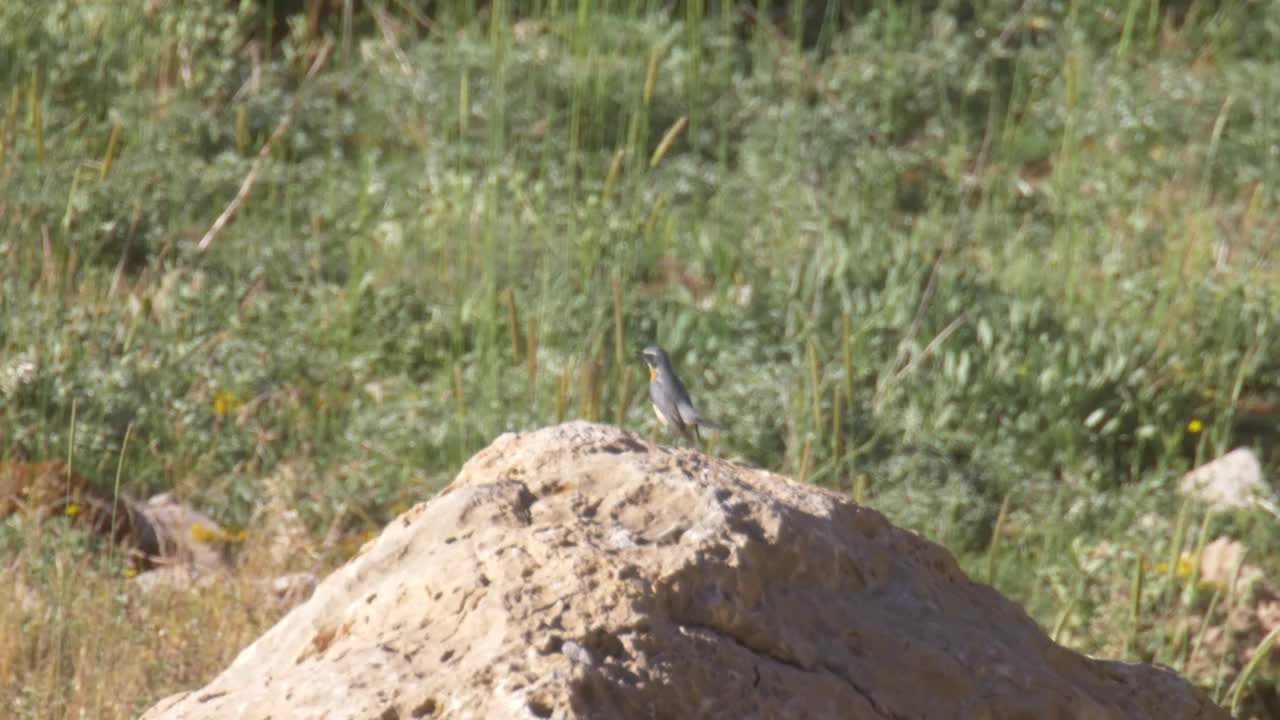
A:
[947,257]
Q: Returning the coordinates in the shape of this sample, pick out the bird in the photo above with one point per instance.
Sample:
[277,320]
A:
[670,399]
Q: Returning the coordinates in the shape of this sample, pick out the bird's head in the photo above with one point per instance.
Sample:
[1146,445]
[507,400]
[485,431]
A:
[655,357]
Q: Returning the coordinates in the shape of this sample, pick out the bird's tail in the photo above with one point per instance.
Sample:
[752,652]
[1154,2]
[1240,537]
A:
[708,424]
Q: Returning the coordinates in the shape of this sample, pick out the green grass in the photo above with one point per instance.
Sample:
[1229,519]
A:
[943,257]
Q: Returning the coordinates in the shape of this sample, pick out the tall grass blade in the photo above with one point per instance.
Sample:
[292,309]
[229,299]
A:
[611,180]
[1251,669]
[996,532]
[1205,621]
[651,73]
[1175,549]
[815,387]
[837,434]
[1135,608]
[1126,33]
[668,140]
[1193,579]
[1234,596]
[619,331]
[242,129]
[69,213]
[531,356]
[1061,623]
[806,458]
[562,395]
[459,395]
[624,399]
[115,490]
[846,343]
[113,144]
[513,321]
[71,448]
[36,104]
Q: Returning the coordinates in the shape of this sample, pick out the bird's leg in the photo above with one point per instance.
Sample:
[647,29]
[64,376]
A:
[690,433]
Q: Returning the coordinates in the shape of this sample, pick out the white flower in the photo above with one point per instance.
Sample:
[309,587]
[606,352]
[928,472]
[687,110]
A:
[20,371]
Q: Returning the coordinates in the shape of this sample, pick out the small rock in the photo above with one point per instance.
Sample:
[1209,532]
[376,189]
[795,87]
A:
[1220,559]
[289,590]
[171,577]
[1252,613]
[1232,482]
[187,536]
[575,652]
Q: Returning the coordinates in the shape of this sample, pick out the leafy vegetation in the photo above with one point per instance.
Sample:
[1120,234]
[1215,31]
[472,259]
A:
[949,257]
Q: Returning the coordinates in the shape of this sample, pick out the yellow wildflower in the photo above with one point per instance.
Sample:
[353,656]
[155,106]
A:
[201,533]
[1186,564]
[226,402]
[72,509]
[1195,426]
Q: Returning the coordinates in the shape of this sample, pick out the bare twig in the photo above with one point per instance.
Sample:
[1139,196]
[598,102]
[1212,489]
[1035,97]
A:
[901,363]
[926,299]
[422,21]
[388,34]
[784,45]
[933,345]
[285,123]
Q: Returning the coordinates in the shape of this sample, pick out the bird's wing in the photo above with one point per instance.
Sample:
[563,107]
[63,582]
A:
[666,406]
[690,415]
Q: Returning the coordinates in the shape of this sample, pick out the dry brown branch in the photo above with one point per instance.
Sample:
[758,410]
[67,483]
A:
[388,34]
[933,345]
[285,123]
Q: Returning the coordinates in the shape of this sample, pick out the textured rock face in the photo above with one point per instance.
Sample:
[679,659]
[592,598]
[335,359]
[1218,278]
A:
[579,571]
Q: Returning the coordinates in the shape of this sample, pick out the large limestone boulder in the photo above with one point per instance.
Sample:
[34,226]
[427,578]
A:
[581,572]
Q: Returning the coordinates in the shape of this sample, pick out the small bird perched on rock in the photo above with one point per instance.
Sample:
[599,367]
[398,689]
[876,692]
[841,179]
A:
[670,398]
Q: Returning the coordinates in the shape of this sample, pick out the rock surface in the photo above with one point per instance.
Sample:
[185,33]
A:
[189,546]
[170,541]
[1231,482]
[1252,613]
[580,572]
